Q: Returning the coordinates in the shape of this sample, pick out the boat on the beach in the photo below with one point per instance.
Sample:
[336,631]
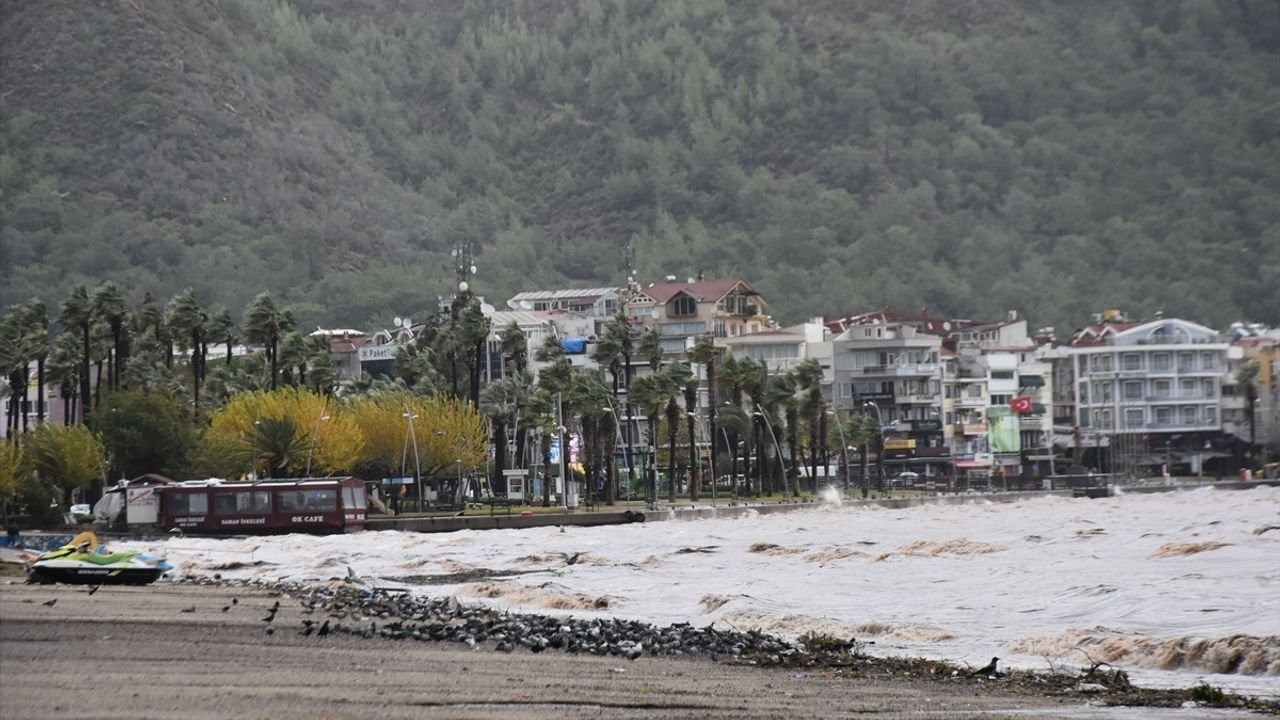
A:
[83,561]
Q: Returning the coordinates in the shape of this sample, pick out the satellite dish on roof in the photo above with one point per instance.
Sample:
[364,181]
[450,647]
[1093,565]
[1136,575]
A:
[526,305]
[398,321]
[406,323]
[946,324]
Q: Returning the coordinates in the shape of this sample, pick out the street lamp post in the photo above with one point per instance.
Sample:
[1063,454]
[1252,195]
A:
[786,485]
[711,460]
[404,454]
[626,449]
[879,443]
[844,447]
[311,450]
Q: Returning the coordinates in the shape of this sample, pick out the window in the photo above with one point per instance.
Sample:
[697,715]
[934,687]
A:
[1001,399]
[1187,388]
[1001,374]
[1186,361]
[1161,362]
[1102,392]
[1210,389]
[1101,363]
[1132,361]
[1133,390]
[1164,416]
[719,329]
[188,503]
[846,390]
[1208,360]
[682,306]
[1161,389]
[241,503]
[1134,418]
[1102,419]
[1084,392]
[1210,415]
[317,500]
[1189,415]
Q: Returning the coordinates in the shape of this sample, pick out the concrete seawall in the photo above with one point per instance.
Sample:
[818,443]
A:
[483,521]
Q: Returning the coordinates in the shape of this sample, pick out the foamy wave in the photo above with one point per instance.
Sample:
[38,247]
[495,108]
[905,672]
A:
[789,624]
[711,603]
[1233,654]
[513,594]
[454,566]
[1179,549]
[832,553]
[1265,528]
[959,546]
[771,549]
[792,624]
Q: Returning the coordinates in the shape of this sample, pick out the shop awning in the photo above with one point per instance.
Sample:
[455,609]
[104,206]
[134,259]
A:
[973,463]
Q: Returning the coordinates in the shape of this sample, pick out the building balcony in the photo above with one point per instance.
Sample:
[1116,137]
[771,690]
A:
[908,370]
[973,428]
[971,402]
[1034,422]
[912,399]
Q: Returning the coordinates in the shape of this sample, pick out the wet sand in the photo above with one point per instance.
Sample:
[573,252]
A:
[171,651]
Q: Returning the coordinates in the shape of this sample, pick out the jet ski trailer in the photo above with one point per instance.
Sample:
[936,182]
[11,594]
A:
[82,562]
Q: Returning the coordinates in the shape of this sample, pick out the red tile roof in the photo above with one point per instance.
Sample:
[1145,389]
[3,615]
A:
[702,290]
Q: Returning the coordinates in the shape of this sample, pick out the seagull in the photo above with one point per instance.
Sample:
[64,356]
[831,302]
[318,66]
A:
[51,603]
[990,669]
[324,629]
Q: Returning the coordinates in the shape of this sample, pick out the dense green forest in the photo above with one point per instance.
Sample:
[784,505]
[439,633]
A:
[970,156]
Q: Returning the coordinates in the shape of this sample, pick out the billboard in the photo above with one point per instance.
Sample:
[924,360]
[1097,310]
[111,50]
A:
[1003,431]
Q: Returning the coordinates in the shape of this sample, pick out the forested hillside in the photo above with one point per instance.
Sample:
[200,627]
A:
[967,155]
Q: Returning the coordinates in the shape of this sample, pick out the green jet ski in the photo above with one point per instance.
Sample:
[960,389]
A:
[83,562]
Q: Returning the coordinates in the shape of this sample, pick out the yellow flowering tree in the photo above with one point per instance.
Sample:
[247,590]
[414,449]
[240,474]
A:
[446,431]
[11,472]
[70,457]
[322,430]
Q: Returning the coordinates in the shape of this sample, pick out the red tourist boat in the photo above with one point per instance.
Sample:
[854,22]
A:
[265,506]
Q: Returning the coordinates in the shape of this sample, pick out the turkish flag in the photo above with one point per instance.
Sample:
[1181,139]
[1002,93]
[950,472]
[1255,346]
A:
[1021,405]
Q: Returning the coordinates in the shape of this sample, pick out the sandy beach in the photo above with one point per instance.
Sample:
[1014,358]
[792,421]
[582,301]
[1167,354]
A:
[172,651]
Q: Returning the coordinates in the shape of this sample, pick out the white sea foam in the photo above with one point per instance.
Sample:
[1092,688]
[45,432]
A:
[1176,587]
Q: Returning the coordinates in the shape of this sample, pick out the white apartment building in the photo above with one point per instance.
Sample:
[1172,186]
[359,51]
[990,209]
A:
[1161,376]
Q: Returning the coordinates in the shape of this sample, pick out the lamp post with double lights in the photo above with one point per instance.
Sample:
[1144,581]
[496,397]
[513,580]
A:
[626,449]
[404,453]
[786,484]
[711,459]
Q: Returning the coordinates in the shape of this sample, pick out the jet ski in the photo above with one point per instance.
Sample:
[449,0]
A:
[84,562]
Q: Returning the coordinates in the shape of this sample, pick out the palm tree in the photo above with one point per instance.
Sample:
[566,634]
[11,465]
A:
[470,333]
[222,328]
[187,318]
[293,356]
[705,354]
[1247,378]
[36,321]
[514,347]
[64,369]
[263,324]
[808,377]
[781,392]
[13,364]
[674,378]
[690,390]
[651,348]
[648,395]
[76,312]
[589,401]
[108,303]
[276,441]
[502,402]
[150,318]
[735,423]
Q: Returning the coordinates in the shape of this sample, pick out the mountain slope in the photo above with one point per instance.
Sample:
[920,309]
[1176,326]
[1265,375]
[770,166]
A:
[968,156]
